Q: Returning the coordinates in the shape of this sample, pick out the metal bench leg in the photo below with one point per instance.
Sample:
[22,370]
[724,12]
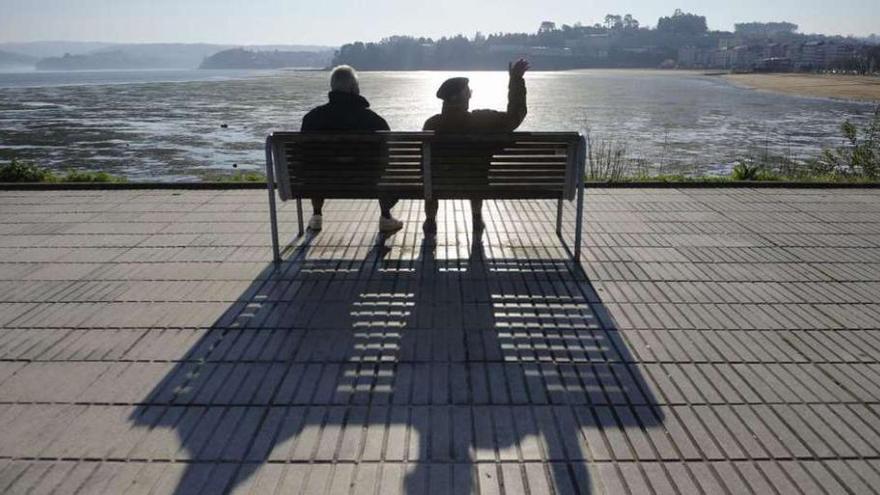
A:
[581,177]
[559,217]
[273,216]
[299,216]
[579,225]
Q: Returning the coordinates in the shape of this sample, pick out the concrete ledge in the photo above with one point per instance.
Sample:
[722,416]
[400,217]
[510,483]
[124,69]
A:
[733,184]
[114,186]
[79,186]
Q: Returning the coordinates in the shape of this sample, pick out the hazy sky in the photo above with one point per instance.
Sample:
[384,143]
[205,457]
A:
[339,21]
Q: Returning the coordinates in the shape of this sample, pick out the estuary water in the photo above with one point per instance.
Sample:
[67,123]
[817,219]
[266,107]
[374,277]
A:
[181,125]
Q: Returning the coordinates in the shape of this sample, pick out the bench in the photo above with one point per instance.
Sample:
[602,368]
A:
[424,165]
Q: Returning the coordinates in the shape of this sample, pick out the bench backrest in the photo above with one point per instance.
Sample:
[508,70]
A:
[426,165]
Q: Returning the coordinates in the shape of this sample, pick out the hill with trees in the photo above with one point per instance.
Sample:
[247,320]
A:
[60,55]
[239,58]
[620,41]
[105,60]
[10,60]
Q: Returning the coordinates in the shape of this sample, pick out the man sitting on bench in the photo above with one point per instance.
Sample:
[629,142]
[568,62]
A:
[455,118]
[347,111]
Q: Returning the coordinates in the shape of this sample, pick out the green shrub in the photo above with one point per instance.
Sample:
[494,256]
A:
[20,171]
[859,157]
[85,176]
[745,171]
[237,176]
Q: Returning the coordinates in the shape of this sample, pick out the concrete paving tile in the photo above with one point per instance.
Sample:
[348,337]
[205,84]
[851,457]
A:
[293,478]
[732,480]
[610,478]
[536,476]
[572,441]
[550,434]
[138,481]
[866,470]
[29,478]
[531,446]
[849,428]
[755,478]
[312,442]
[9,369]
[286,439]
[365,478]
[848,476]
[11,471]
[681,479]
[74,479]
[633,432]
[798,432]
[635,479]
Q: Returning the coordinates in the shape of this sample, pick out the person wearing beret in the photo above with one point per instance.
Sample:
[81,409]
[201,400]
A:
[456,117]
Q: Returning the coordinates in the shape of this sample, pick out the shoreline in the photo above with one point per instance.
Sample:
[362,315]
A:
[838,87]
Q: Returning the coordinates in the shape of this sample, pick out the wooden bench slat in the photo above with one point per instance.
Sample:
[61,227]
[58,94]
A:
[358,165]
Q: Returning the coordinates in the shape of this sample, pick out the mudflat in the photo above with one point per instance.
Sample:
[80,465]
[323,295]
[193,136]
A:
[864,88]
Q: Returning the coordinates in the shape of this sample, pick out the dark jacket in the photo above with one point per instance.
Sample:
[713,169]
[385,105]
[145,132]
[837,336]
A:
[485,120]
[344,112]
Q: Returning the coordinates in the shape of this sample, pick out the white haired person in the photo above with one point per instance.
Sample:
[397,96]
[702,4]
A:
[347,110]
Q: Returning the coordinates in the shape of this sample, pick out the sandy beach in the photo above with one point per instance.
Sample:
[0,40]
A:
[863,88]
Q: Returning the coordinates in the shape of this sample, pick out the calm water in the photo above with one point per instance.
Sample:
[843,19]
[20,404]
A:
[167,124]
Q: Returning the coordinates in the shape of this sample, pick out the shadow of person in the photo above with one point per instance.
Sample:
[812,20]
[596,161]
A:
[442,373]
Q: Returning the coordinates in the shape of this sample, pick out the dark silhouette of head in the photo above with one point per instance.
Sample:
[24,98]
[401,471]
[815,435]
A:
[344,79]
[455,93]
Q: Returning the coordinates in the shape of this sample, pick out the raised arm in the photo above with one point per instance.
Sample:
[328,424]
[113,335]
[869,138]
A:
[516,93]
[496,121]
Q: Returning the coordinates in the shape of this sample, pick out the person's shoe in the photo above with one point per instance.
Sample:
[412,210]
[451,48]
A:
[430,227]
[316,222]
[388,225]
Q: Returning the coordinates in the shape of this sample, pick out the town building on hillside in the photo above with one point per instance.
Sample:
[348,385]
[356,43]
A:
[773,64]
[591,45]
[532,51]
[774,50]
[839,52]
[744,57]
[812,55]
[772,56]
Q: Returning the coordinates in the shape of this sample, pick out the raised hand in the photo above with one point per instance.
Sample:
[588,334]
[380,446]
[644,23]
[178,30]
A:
[518,69]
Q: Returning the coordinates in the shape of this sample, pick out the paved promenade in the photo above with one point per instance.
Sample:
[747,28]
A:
[717,341]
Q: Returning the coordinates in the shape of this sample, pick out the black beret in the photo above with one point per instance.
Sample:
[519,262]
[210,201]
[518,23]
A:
[452,87]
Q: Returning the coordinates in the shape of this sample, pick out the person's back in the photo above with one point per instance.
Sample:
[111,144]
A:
[456,117]
[344,112]
[347,111]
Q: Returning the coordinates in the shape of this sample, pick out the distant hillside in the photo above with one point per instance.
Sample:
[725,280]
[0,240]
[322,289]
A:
[288,48]
[10,60]
[77,55]
[98,61]
[164,55]
[43,49]
[239,58]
